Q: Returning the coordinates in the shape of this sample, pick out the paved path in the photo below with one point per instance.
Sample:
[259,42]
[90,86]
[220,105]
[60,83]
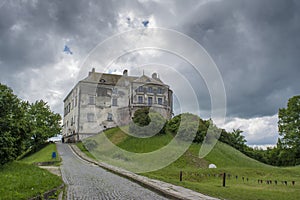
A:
[88,181]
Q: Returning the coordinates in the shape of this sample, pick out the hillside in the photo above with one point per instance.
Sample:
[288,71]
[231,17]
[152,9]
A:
[242,172]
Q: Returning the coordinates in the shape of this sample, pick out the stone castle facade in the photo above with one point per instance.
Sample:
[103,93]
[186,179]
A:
[102,101]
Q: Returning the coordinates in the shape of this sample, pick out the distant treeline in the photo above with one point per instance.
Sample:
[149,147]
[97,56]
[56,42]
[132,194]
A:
[189,127]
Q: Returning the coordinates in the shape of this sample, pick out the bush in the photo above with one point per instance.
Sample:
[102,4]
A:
[146,123]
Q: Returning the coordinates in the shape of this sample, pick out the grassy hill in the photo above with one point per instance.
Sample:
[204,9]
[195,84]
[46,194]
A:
[242,172]
[23,180]
[43,155]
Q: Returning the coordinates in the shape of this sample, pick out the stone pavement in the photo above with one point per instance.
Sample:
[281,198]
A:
[85,180]
[166,189]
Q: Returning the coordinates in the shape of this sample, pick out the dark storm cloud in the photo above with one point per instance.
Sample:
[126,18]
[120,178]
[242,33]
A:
[255,43]
[256,46]
[32,32]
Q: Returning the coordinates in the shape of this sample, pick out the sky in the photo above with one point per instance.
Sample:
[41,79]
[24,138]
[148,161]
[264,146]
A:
[254,44]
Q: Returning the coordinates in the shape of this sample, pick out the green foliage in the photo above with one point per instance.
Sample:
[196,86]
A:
[187,129]
[186,125]
[234,139]
[13,127]
[141,117]
[23,125]
[289,129]
[147,123]
[43,123]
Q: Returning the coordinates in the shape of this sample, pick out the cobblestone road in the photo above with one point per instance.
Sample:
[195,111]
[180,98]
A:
[88,181]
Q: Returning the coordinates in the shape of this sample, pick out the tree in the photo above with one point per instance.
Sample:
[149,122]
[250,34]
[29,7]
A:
[147,123]
[289,127]
[43,123]
[141,117]
[239,139]
[13,127]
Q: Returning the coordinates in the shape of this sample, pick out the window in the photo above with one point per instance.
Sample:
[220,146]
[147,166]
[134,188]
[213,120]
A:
[114,101]
[91,117]
[92,100]
[150,89]
[115,91]
[159,101]
[102,80]
[75,101]
[140,99]
[140,89]
[109,117]
[159,91]
[150,100]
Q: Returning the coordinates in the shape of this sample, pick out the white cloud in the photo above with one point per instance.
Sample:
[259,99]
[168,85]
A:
[50,82]
[257,131]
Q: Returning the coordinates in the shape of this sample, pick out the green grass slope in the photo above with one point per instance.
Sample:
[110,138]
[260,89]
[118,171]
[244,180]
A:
[43,155]
[23,180]
[242,172]
[226,156]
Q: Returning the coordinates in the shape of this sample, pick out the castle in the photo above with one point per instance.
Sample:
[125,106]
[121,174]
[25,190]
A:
[102,101]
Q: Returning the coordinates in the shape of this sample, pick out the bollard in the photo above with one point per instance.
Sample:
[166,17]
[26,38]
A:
[53,155]
[180,176]
[224,179]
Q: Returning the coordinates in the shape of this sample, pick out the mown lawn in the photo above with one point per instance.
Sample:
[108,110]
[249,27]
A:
[22,179]
[43,155]
[244,172]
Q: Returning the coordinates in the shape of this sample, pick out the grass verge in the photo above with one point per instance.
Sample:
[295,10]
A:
[243,171]
[20,180]
[43,155]
[84,150]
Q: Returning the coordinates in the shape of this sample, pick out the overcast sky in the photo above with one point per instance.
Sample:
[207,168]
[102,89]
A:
[255,45]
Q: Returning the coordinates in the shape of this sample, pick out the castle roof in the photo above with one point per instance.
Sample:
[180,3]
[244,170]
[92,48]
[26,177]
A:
[146,79]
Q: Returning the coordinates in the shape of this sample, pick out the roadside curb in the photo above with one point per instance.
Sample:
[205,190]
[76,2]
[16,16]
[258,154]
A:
[166,189]
[47,194]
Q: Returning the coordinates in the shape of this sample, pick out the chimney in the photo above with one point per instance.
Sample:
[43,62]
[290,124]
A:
[93,71]
[125,72]
[154,75]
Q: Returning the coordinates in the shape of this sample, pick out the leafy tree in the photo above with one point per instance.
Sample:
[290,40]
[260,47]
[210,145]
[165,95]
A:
[141,117]
[289,129]
[184,126]
[147,123]
[239,139]
[13,128]
[43,123]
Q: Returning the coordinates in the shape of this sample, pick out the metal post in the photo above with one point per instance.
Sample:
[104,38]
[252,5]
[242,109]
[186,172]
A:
[224,179]
[180,176]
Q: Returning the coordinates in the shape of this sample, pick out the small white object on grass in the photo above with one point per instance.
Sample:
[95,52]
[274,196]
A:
[212,166]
